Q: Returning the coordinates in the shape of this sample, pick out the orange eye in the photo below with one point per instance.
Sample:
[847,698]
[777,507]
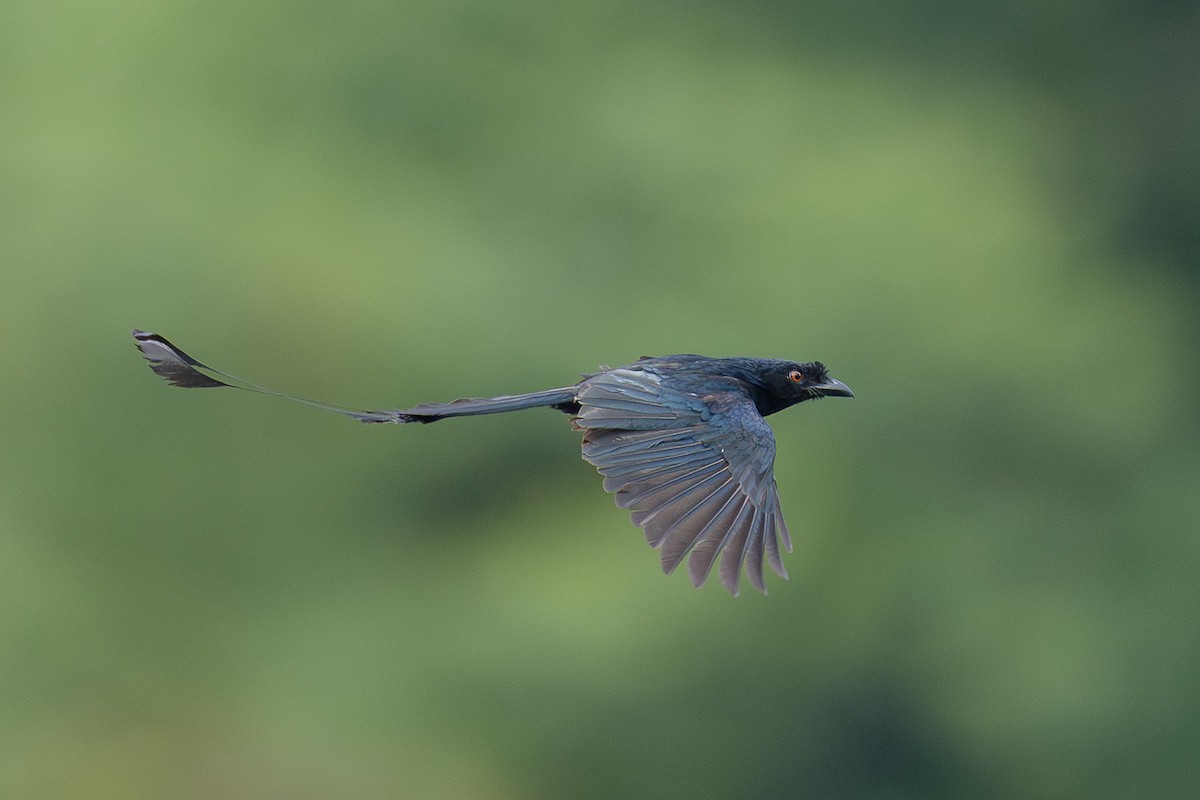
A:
[796,376]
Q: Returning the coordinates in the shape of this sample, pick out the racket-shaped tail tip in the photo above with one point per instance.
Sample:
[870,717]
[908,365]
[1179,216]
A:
[171,363]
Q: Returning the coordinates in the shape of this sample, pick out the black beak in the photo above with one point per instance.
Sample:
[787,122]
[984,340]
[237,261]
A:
[832,387]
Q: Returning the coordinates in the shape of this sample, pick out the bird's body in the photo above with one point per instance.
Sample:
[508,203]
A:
[680,440]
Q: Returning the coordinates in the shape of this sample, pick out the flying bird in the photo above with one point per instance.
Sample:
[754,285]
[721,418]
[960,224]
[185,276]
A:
[680,440]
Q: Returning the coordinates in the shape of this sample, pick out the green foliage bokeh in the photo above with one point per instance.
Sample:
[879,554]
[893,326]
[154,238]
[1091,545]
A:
[981,216]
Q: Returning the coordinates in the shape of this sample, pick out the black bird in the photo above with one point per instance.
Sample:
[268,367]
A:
[679,439]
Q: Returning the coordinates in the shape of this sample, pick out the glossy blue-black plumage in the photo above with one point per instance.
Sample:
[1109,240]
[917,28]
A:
[680,440]
[682,443]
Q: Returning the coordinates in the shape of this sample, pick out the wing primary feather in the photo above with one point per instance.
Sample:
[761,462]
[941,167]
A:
[783,528]
[669,509]
[647,476]
[737,555]
[677,539]
[636,473]
[771,541]
[733,552]
[706,549]
[642,494]
[754,551]
[661,518]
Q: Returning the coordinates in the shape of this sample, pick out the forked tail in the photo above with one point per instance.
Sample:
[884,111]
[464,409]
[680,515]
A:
[180,369]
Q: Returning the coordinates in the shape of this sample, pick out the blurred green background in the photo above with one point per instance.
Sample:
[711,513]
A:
[982,216]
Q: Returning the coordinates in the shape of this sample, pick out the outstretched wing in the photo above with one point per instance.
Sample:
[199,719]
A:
[696,471]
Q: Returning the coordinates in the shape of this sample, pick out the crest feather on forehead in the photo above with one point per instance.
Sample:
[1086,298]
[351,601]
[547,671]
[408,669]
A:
[814,371]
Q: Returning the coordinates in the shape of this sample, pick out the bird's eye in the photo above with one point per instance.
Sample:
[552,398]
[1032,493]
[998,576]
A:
[796,376]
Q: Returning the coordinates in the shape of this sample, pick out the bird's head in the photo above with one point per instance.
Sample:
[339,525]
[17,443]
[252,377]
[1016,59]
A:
[788,383]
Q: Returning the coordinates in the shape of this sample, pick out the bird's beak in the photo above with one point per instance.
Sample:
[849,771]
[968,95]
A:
[832,387]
